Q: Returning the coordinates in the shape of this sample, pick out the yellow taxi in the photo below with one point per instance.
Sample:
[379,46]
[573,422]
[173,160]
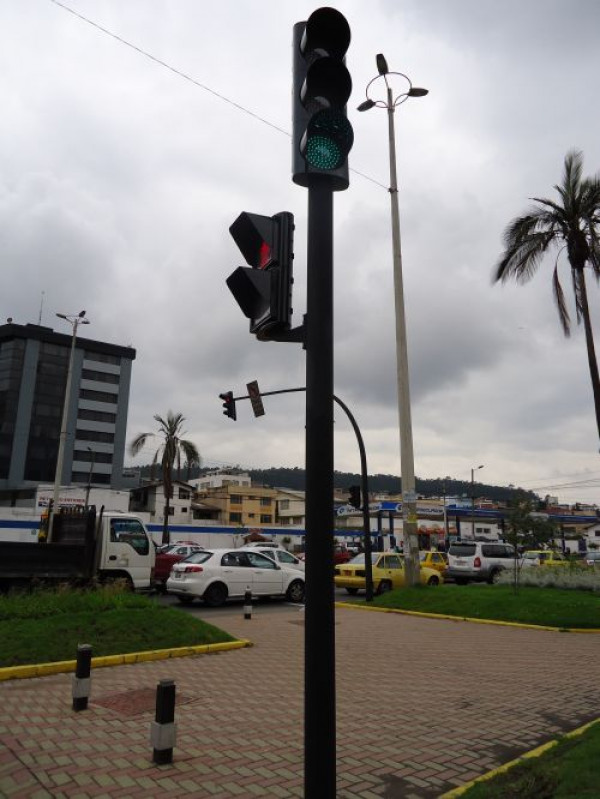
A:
[434,560]
[543,557]
[388,573]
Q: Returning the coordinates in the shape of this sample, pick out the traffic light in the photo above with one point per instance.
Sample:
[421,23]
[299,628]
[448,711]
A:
[322,136]
[354,498]
[228,405]
[263,289]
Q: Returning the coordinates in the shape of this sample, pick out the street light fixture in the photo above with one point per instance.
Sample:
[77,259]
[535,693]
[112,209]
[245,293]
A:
[407,464]
[473,499]
[74,320]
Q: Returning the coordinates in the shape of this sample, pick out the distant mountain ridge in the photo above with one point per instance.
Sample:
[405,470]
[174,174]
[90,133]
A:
[295,478]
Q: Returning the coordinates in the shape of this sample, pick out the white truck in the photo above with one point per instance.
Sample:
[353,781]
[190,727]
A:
[84,546]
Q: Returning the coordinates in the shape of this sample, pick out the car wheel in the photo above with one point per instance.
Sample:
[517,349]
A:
[185,600]
[384,587]
[433,580]
[295,592]
[494,576]
[352,591]
[215,595]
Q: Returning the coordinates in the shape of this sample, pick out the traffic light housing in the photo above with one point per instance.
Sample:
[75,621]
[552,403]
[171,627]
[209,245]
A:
[229,405]
[322,136]
[354,497]
[263,289]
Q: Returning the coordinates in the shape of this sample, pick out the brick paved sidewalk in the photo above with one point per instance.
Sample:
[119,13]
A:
[423,705]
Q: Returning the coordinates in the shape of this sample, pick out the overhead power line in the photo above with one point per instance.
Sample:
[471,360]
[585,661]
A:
[190,79]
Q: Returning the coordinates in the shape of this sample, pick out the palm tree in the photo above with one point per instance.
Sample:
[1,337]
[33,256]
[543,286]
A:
[571,223]
[170,451]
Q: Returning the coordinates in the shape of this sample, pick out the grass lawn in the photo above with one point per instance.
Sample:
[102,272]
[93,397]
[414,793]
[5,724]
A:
[47,626]
[570,769]
[544,606]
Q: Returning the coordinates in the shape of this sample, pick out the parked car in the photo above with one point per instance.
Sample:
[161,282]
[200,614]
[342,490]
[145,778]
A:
[592,558]
[478,561]
[220,574]
[434,560]
[543,557]
[166,560]
[280,556]
[340,554]
[388,573]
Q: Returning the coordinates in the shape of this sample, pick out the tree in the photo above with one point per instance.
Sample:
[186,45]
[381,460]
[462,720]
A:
[527,529]
[572,223]
[172,447]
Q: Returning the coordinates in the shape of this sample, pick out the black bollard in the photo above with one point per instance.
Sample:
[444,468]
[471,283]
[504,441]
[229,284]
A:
[82,682]
[163,729]
[248,605]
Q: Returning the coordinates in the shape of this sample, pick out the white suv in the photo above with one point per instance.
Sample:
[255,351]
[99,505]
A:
[478,561]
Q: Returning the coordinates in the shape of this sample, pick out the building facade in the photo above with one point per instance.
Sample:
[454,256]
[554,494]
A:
[34,362]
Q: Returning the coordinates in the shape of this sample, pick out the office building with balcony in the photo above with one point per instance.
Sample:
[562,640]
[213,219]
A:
[34,363]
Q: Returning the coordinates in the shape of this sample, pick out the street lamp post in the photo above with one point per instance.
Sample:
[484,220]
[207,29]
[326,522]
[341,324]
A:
[407,464]
[74,321]
[473,499]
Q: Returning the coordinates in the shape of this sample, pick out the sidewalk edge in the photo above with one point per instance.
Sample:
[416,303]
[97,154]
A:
[537,752]
[61,666]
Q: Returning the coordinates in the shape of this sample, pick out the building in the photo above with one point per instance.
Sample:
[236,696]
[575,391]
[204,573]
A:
[150,498]
[249,506]
[34,363]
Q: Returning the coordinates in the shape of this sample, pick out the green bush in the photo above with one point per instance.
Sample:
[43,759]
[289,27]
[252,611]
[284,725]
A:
[575,577]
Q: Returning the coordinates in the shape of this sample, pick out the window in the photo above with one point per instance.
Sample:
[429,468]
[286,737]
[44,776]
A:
[236,499]
[171,511]
[285,557]
[391,562]
[131,532]
[96,416]
[235,517]
[265,518]
[97,396]
[92,457]
[93,435]
[102,357]
[184,494]
[184,510]
[284,504]
[265,502]
[99,377]
[260,561]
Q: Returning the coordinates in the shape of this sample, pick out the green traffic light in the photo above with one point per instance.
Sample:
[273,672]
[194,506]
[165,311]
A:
[328,140]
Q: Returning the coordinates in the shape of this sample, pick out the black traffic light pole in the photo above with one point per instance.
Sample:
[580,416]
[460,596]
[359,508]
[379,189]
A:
[319,639]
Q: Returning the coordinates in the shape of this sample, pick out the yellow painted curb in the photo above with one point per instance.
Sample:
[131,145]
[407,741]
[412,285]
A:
[448,617]
[59,667]
[512,763]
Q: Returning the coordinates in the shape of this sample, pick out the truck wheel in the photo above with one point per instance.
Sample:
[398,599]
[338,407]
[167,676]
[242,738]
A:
[494,576]
[433,580]
[384,587]
[215,595]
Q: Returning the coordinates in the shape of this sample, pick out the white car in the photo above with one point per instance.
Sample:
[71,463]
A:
[219,574]
[280,556]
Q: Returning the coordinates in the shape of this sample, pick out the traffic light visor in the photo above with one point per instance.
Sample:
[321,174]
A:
[254,235]
[326,30]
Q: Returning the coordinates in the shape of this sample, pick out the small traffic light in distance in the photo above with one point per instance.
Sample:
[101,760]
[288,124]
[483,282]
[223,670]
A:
[263,289]
[322,136]
[354,498]
[228,405]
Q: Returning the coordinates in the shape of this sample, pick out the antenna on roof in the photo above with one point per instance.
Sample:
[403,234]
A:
[41,307]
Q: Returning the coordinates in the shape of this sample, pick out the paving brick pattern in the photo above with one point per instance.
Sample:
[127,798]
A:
[423,705]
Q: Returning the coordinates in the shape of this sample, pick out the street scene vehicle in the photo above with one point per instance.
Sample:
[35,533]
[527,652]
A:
[220,574]
[280,556]
[388,573]
[592,558]
[84,546]
[434,560]
[543,557]
[478,561]
[341,554]
[165,561]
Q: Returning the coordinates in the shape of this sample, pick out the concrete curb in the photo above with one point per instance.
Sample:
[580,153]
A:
[537,752]
[62,666]
[448,617]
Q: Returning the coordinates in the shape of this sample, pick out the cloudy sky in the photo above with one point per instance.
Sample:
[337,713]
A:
[120,176]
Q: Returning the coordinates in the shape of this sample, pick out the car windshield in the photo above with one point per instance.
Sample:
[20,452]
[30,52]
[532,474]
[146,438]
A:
[360,559]
[530,555]
[198,557]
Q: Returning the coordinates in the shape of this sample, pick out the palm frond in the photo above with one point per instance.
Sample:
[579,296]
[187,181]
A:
[138,443]
[559,298]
